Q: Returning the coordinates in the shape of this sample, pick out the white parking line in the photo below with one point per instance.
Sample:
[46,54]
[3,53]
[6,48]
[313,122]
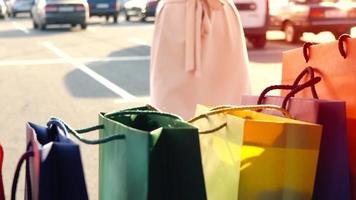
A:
[108,84]
[139,41]
[20,27]
[123,58]
[61,61]
[92,29]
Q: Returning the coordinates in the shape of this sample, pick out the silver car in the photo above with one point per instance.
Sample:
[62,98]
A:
[73,12]
[21,6]
[254,18]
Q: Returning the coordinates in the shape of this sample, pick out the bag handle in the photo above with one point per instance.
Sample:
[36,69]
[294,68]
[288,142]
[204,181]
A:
[76,133]
[311,71]
[307,70]
[15,180]
[299,88]
[341,44]
[227,108]
[293,90]
[56,122]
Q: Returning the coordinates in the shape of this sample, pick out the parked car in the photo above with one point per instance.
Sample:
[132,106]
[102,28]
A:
[21,6]
[9,4]
[140,8]
[298,16]
[254,16]
[107,8]
[73,12]
[3,9]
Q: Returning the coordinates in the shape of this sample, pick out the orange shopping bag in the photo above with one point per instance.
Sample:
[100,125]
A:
[335,62]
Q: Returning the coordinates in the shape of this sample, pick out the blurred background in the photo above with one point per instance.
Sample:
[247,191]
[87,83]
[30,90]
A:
[75,58]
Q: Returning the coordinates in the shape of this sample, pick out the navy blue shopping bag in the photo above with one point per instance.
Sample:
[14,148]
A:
[53,165]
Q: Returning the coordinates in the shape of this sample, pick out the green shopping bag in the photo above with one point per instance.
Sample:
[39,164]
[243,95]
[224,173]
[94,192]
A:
[146,154]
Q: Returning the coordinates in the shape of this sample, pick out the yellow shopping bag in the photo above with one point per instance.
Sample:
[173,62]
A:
[277,156]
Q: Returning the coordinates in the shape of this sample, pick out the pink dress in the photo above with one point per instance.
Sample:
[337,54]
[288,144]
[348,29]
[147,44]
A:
[198,56]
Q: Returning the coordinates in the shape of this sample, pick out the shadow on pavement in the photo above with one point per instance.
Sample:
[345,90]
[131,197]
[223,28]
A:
[130,75]
[12,34]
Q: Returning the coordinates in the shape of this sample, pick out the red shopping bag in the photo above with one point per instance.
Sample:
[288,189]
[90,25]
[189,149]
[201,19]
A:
[2,194]
[335,63]
[332,177]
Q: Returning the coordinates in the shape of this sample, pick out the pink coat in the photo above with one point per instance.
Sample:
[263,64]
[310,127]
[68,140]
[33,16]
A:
[198,56]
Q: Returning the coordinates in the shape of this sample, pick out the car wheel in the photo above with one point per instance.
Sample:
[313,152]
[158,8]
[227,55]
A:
[259,41]
[292,35]
[143,18]
[35,25]
[115,18]
[43,27]
[84,26]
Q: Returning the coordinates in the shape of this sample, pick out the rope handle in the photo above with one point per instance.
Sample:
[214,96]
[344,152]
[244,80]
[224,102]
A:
[150,112]
[228,108]
[77,133]
[299,88]
[311,71]
[307,70]
[293,90]
[15,180]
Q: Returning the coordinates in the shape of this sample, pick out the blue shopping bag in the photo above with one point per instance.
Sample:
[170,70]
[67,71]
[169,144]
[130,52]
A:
[53,164]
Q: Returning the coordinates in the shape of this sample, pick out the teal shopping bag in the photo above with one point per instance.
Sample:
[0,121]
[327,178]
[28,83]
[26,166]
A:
[146,154]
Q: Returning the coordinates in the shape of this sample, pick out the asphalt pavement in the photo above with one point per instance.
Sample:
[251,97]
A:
[74,74]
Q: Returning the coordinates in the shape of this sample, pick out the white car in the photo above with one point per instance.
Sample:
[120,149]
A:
[255,20]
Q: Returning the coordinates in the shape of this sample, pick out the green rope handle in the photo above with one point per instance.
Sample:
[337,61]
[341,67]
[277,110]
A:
[133,112]
[77,133]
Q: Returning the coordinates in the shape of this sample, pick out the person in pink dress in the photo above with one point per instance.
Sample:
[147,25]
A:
[198,56]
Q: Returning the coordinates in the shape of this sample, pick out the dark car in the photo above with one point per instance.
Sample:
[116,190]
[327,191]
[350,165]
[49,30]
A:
[107,8]
[72,12]
[140,8]
[21,6]
[298,16]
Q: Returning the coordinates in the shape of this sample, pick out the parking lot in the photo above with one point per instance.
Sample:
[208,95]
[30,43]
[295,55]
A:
[75,74]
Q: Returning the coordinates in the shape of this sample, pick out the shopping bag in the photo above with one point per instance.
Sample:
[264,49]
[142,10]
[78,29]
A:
[278,156]
[2,194]
[332,178]
[335,63]
[220,151]
[146,154]
[53,164]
